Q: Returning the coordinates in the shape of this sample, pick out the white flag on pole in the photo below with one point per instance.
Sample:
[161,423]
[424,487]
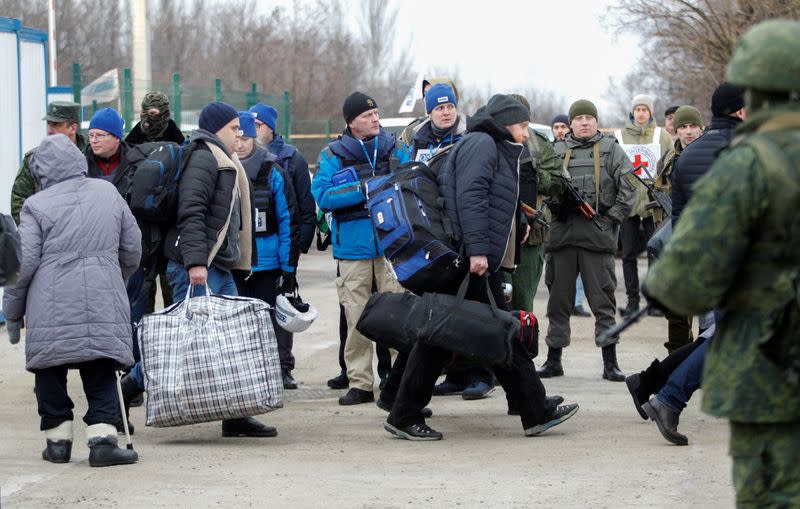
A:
[414,93]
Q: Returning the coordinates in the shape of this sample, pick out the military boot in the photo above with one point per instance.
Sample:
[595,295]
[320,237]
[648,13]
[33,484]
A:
[552,366]
[611,370]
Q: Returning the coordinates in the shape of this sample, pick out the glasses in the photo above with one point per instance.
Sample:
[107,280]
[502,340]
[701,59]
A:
[98,136]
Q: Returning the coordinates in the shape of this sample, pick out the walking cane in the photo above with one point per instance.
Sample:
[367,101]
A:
[129,445]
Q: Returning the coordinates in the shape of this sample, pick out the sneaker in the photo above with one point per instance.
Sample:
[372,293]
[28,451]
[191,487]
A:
[340,381]
[580,311]
[477,390]
[560,414]
[417,432]
[356,396]
[549,402]
[387,407]
[448,388]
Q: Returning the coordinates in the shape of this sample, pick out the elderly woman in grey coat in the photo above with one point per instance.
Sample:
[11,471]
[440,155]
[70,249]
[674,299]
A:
[80,243]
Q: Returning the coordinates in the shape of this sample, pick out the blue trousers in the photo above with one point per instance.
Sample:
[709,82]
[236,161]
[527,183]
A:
[219,282]
[684,380]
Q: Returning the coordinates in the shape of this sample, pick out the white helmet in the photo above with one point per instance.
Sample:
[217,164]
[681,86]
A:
[292,314]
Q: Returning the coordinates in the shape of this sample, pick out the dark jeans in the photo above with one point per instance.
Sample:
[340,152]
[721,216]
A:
[634,233]
[684,380]
[521,383]
[261,285]
[99,385]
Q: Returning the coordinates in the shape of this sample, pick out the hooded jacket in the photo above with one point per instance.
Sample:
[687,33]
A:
[480,187]
[354,239]
[215,222]
[75,262]
[697,158]
[296,168]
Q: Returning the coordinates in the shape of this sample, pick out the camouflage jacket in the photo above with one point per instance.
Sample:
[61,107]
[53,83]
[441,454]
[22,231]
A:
[24,183]
[663,180]
[737,249]
[540,157]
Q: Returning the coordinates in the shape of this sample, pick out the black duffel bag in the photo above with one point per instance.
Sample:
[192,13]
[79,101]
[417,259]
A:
[473,329]
[383,317]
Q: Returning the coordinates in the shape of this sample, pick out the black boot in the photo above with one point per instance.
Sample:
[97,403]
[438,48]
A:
[552,366]
[57,451]
[667,421]
[633,306]
[611,370]
[103,449]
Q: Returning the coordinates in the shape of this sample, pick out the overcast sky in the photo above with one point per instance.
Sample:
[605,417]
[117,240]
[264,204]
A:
[558,45]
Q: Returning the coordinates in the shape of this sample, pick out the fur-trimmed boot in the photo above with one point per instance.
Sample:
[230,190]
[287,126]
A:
[103,449]
[59,443]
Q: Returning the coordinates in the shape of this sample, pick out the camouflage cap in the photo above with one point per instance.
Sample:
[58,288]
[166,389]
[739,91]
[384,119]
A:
[63,111]
[766,57]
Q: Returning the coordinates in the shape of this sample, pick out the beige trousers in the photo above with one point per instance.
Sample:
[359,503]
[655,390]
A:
[354,286]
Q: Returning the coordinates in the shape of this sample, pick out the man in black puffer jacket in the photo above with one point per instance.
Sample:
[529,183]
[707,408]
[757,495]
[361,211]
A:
[480,187]
[727,108]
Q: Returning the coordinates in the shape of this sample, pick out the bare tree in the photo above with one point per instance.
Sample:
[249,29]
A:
[691,41]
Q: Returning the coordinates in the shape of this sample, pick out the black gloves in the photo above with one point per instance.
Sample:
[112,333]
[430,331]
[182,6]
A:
[286,283]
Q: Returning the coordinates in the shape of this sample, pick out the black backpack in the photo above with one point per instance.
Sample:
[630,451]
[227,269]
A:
[153,172]
[413,231]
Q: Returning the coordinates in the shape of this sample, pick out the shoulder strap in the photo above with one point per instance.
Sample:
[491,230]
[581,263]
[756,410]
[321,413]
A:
[596,157]
[567,156]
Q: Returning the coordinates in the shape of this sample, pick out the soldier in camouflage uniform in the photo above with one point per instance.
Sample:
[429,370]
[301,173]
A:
[62,118]
[737,249]
[540,175]
[597,166]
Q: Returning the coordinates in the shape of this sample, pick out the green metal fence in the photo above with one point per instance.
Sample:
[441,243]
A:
[186,99]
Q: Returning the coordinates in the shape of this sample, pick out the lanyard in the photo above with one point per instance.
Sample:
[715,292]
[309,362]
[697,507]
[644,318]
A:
[372,162]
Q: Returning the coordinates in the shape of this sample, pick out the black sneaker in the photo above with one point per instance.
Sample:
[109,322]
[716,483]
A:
[560,415]
[387,407]
[340,381]
[357,396]
[416,432]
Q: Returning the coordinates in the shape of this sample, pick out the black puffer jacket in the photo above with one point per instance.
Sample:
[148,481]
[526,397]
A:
[119,172]
[480,187]
[204,205]
[696,160]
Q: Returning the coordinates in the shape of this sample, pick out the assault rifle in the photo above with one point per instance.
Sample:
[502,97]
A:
[573,198]
[663,199]
[535,214]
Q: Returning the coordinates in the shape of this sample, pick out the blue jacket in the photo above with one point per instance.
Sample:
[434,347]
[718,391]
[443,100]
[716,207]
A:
[354,239]
[696,160]
[275,251]
[296,168]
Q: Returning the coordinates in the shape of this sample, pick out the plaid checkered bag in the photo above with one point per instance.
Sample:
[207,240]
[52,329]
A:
[210,358]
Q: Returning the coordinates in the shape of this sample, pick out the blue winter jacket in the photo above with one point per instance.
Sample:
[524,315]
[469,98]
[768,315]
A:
[275,250]
[296,168]
[354,239]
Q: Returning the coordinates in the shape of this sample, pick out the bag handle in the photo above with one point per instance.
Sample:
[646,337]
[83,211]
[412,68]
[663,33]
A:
[189,296]
[462,291]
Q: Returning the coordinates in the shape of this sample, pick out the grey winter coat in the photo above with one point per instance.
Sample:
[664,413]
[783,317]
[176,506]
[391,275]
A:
[80,243]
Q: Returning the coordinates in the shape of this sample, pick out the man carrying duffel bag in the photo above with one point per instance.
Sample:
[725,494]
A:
[480,184]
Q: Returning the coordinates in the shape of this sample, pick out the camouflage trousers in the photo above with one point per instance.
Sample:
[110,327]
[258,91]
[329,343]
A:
[766,470]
